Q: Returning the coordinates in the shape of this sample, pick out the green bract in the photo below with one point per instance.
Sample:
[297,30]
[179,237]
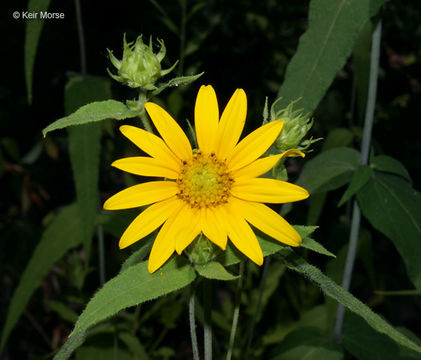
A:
[140,66]
[296,126]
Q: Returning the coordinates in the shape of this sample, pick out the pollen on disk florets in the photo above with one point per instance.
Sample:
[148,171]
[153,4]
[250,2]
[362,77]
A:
[204,181]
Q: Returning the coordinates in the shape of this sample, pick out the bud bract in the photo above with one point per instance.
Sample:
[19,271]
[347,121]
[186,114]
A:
[296,126]
[140,66]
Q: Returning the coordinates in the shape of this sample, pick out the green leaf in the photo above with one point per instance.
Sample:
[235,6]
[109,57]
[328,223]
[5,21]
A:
[390,165]
[329,170]
[333,29]
[307,343]
[330,288]
[96,111]
[132,287]
[339,137]
[70,346]
[360,177]
[84,148]
[214,270]
[394,208]
[63,311]
[32,35]
[313,245]
[134,345]
[357,334]
[61,235]
[181,80]
[140,254]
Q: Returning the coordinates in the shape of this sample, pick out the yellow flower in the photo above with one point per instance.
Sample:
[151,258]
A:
[214,190]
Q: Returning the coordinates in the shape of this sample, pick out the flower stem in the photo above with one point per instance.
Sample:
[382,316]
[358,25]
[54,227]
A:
[192,322]
[236,312]
[207,326]
[257,309]
[365,150]
[81,39]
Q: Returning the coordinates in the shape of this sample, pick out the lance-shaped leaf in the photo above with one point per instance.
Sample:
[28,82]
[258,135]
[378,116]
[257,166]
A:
[131,287]
[32,35]
[84,148]
[334,27]
[330,288]
[96,111]
[394,208]
[61,235]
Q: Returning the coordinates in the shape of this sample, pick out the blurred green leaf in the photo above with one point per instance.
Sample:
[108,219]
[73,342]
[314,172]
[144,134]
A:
[394,208]
[329,170]
[134,345]
[334,27]
[32,35]
[316,204]
[330,288]
[214,270]
[388,164]
[307,343]
[132,287]
[357,334]
[96,111]
[360,177]
[61,235]
[339,137]
[63,311]
[84,148]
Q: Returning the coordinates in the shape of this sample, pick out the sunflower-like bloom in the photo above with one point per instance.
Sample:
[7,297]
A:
[214,190]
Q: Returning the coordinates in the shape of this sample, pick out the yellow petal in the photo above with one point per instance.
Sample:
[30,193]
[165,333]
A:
[267,190]
[145,166]
[212,228]
[150,219]
[142,194]
[257,168]
[170,131]
[152,145]
[254,145]
[185,227]
[267,220]
[163,246]
[293,152]
[206,116]
[243,237]
[232,123]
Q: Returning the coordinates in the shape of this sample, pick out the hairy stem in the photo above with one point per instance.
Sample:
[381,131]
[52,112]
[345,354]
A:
[192,322]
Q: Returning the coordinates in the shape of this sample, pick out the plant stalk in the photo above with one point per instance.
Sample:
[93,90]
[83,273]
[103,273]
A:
[192,322]
[236,312]
[365,151]
[81,39]
[207,326]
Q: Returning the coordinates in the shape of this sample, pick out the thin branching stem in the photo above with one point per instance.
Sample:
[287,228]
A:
[236,312]
[365,150]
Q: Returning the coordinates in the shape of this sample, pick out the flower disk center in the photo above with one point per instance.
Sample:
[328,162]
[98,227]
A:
[204,181]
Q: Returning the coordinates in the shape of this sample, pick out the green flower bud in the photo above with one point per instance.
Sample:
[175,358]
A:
[296,127]
[140,67]
[201,251]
